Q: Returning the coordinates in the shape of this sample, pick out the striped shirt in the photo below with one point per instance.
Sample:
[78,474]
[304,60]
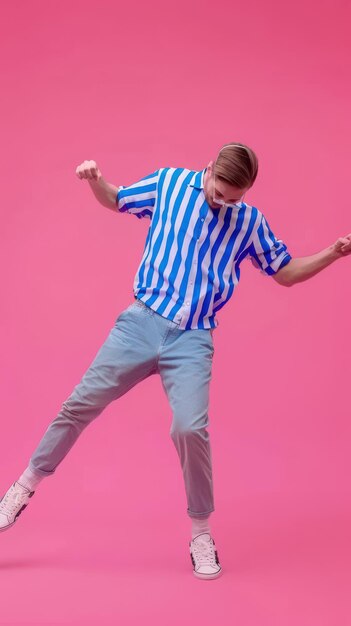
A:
[191,260]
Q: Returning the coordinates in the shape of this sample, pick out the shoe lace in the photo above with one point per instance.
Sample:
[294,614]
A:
[12,500]
[204,552]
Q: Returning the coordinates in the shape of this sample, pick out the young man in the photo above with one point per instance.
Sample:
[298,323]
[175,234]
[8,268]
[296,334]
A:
[200,232]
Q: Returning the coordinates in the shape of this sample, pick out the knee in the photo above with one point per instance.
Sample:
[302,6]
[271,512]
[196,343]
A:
[182,430]
[188,425]
[79,411]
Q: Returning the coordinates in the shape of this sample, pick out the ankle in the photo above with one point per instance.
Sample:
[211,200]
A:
[29,479]
[200,525]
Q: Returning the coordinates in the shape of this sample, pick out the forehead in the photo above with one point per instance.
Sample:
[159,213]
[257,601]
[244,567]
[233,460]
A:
[225,187]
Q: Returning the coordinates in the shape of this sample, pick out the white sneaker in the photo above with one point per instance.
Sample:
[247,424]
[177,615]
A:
[204,557]
[12,504]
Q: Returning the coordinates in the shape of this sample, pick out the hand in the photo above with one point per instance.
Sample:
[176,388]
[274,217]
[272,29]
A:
[342,247]
[88,169]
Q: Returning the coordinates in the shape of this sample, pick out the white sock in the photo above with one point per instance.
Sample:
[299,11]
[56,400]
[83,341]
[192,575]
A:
[30,480]
[199,525]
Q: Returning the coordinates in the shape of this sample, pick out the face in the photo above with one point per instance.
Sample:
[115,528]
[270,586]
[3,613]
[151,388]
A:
[218,193]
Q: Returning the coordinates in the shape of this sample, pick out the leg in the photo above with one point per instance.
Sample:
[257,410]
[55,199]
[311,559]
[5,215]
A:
[185,368]
[124,359]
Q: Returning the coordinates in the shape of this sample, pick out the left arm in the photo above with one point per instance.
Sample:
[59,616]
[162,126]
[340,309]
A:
[298,270]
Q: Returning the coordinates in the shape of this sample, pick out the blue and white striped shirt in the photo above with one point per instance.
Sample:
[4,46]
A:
[192,254]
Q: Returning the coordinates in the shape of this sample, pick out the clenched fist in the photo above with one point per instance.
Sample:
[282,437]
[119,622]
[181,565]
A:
[343,245]
[88,169]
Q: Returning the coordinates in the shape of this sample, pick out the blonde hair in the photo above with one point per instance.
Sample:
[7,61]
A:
[237,165]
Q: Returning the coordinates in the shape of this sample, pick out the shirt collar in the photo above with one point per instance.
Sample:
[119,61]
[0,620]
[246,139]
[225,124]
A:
[197,180]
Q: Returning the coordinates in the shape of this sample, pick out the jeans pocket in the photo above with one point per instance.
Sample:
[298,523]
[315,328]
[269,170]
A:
[212,343]
[123,313]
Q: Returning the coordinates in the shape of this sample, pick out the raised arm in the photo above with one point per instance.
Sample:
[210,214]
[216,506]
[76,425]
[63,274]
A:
[303,268]
[103,191]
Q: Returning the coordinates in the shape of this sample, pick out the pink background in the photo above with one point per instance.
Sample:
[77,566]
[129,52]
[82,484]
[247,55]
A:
[136,87]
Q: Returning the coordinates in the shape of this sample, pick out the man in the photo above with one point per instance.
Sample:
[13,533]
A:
[200,232]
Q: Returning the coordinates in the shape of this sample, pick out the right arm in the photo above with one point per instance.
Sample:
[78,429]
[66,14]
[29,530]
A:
[104,192]
[138,199]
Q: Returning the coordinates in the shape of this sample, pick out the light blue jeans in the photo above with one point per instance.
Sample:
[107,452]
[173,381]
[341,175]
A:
[142,343]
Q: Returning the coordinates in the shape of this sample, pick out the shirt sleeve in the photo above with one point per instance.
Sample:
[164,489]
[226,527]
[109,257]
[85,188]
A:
[266,252]
[138,198]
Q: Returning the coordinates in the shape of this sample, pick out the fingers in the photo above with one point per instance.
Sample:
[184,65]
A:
[346,239]
[345,244]
[88,170]
[346,248]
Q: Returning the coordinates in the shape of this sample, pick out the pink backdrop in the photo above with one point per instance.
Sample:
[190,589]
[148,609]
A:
[136,87]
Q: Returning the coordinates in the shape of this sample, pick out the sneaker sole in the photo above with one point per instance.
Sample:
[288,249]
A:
[7,527]
[208,576]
